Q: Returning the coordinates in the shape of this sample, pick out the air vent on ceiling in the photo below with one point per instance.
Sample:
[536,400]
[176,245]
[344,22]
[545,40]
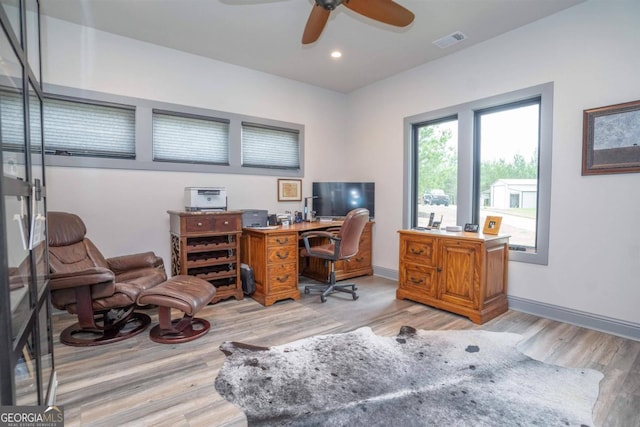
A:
[450,40]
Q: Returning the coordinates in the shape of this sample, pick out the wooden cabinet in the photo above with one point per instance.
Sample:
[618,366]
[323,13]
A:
[464,273]
[358,265]
[207,245]
[273,255]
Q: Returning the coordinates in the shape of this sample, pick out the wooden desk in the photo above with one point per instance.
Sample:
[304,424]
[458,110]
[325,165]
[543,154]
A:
[273,254]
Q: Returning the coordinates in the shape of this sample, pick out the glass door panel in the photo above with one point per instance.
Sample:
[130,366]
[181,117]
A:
[37,178]
[12,9]
[18,260]
[46,349]
[11,113]
[33,37]
[26,376]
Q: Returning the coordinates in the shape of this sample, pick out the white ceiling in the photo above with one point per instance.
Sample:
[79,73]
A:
[265,35]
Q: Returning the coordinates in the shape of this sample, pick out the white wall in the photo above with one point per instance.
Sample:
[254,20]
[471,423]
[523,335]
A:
[125,211]
[591,53]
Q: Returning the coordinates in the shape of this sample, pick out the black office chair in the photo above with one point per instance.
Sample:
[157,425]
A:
[340,246]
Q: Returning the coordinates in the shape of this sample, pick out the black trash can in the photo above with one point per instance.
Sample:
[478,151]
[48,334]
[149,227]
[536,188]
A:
[248,281]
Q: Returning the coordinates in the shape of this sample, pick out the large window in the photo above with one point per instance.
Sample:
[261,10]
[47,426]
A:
[487,157]
[508,139]
[436,148]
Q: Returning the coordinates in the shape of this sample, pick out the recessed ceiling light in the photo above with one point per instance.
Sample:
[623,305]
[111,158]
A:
[336,54]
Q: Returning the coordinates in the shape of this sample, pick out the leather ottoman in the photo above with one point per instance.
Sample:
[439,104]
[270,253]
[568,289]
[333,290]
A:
[185,293]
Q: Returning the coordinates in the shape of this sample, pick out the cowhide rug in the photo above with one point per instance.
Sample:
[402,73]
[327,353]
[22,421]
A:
[419,378]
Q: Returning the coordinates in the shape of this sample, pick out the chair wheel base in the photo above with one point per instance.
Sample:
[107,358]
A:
[330,289]
[76,336]
[197,328]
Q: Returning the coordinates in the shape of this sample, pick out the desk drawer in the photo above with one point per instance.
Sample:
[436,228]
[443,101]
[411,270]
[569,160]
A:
[282,278]
[282,254]
[274,240]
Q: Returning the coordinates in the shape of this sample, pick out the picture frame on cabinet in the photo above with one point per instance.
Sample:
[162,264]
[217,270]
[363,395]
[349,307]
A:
[610,139]
[492,225]
[471,228]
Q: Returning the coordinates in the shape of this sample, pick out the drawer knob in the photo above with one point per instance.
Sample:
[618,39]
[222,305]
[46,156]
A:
[282,241]
[417,251]
[416,281]
[199,224]
[282,279]
[281,256]
[226,223]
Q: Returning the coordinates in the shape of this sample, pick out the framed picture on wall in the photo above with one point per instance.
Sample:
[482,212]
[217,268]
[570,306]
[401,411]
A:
[611,139]
[289,190]
[492,225]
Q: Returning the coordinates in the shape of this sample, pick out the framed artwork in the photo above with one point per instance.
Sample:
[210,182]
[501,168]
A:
[492,225]
[289,190]
[611,139]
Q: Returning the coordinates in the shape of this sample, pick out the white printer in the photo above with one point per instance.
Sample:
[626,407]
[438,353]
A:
[205,198]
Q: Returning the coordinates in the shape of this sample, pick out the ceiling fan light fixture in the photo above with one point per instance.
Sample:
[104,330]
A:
[328,4]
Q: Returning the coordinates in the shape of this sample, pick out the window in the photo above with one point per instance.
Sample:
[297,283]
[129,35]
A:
[268,147]
[77,127]
[508,140]
[119,132]
[181,138]
[436,148]
[487,157]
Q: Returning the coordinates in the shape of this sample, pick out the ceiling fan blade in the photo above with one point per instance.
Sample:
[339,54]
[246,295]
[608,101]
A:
[386,11]
[315,24]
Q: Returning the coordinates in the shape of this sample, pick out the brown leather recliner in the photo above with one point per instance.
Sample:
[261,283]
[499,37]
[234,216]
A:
[102,292]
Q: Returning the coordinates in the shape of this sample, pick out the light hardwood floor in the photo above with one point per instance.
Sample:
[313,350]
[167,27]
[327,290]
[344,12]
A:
[140,383]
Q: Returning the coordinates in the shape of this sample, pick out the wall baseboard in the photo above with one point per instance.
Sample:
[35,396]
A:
[584,319]
[575,317]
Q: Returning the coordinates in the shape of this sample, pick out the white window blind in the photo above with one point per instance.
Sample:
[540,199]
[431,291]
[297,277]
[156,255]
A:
[85,129]
[270,147]
[191,139]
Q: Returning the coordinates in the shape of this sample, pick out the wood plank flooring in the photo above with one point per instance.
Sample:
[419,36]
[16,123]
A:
[140,383]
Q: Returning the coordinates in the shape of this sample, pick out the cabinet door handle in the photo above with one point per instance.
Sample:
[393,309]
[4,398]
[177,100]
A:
[416,281]
[417,251]
[360,259]
[285,256]
[282,242]
[282,279]
[439,270]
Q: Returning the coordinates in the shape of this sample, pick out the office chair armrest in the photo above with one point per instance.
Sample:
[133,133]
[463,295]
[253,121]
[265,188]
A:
[319,233]
[333,238]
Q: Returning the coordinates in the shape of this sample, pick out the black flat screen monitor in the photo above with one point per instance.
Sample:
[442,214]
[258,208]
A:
[336,199]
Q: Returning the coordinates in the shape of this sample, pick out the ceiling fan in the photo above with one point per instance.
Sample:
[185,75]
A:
[386,11]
